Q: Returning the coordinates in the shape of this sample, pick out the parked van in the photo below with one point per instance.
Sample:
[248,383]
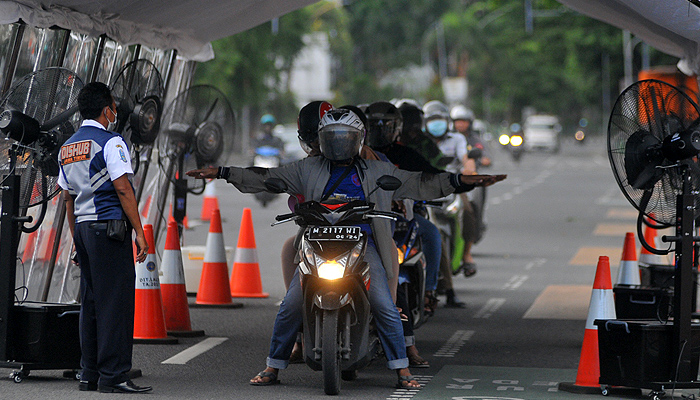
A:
[542,132]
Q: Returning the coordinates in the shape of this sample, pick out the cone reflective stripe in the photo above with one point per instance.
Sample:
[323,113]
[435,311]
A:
[602,306]
[210,203]
[645,256]
[214,286]
[149,321]
[175,307]
[245,277]
[628,273]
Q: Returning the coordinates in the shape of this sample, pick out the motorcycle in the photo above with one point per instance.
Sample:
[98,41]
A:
[513,142]
[266,157]
[411,271]
[446,214]
[339,333]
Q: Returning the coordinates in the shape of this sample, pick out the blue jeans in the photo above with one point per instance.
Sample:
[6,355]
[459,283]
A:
[432,248]
[386,316]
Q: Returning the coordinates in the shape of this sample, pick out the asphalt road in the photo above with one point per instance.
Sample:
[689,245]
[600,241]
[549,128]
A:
[526,306]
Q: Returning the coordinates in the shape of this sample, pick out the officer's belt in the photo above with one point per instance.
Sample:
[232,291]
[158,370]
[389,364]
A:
[97,225]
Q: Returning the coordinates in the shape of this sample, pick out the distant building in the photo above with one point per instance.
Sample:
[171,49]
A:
[310,77]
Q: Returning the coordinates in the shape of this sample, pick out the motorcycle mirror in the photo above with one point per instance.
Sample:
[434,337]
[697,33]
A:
[388,182]
[275,185]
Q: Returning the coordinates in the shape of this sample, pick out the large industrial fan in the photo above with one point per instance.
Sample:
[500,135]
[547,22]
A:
[138,91]
[198,130]
[653,146]
[36,117]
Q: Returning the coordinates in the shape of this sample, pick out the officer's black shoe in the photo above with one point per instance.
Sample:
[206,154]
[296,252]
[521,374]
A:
[452,301]
[125,387]
[85,386]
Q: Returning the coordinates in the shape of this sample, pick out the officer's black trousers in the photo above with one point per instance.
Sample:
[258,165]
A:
[107,303]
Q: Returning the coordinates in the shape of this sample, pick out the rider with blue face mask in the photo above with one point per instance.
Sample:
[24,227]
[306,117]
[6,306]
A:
[452,145]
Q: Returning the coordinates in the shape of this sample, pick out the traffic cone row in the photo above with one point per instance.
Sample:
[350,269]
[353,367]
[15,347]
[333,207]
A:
[245,278]
[149,320]
[214,288]
[628,274]
[210,203]
[175,305]
[602,306]
[645,256]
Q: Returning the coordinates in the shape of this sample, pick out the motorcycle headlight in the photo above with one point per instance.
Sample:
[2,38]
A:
[331,270]
[516,140]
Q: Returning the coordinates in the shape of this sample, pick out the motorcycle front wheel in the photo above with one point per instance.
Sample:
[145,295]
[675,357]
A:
[330,357]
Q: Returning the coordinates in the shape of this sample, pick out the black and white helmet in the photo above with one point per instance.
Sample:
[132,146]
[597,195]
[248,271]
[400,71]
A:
[340,135]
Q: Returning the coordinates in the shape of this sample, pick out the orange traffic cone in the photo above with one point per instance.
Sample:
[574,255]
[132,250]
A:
[214,289]
[146,207]
[602,306]
[245,278]
[628,274]
[149,322]
[185,222]
[28,252]
[645,256]
[210,202]
[175,307]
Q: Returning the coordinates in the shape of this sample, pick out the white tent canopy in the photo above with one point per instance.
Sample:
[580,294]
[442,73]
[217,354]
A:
[185,25]
[672,26]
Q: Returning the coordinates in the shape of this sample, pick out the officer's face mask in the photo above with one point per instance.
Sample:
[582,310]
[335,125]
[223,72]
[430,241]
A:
[436,127]
[111,125]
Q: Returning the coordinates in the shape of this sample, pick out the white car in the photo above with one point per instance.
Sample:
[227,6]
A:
[542,132]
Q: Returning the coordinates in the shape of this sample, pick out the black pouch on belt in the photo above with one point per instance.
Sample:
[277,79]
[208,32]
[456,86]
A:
[116,229]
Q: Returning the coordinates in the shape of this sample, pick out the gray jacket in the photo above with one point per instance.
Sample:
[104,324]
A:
[310,175]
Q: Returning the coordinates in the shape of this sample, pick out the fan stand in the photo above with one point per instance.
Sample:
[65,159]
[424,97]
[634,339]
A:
[11,222]
[683,289]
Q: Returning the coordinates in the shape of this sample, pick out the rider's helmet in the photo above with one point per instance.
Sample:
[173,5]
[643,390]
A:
[267,119]
[340,135]
[307,124]
[359,110]
[412,117]
[437,118]
[385,124]
[460,112]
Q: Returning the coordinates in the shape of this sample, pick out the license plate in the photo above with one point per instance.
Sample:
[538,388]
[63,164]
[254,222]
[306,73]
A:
[343,233]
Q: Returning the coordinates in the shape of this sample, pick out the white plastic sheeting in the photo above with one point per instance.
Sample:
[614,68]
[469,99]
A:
[672,26]
[185,25]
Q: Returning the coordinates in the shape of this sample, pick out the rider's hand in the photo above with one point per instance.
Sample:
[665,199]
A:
[204,173]
[481,180]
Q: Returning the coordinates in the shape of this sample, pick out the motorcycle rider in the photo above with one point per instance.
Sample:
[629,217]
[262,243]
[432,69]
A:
[472,214]
[266,136]
[385,125]
[453,145]
[340,138]
[413,136]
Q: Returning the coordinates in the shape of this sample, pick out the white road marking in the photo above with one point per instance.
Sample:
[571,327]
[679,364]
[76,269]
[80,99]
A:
[191,352]
[515,282]
[454,344]
[535,263]
[489,308]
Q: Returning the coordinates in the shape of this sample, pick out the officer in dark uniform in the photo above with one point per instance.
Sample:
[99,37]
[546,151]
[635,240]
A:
[101,210]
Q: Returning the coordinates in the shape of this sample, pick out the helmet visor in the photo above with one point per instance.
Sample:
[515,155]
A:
[382,132]
[339,142]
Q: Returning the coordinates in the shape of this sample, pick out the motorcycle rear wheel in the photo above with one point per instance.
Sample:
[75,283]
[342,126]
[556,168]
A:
[330,357]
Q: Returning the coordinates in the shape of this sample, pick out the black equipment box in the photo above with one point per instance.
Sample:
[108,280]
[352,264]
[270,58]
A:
[46,334]
[662,276]
[636,353]
[636,302]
